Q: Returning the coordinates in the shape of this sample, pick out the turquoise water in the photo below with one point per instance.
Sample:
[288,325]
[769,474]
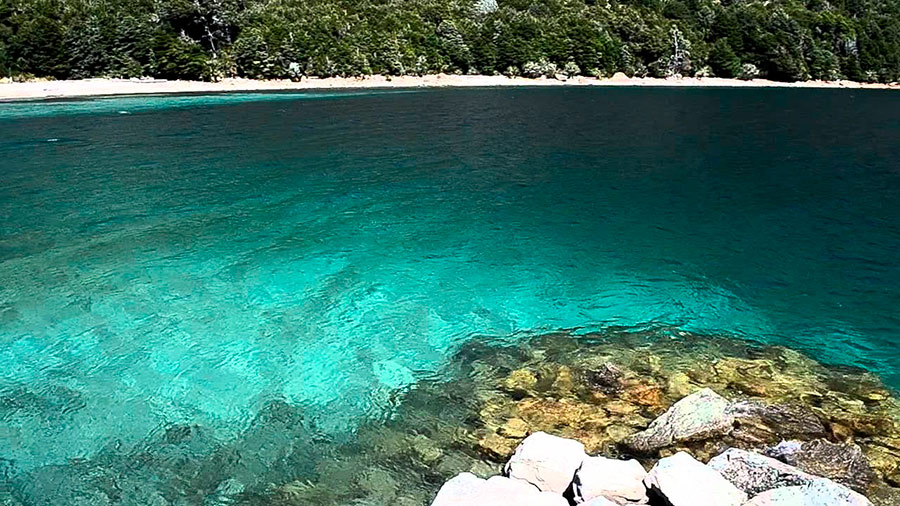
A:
[170,260]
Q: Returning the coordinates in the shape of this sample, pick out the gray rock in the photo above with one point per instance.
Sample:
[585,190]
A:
[682,481]
[606,378]
[707,415]
[754,473]
[701,415]
[844,463]
[547,462]
[469,490]
[819,492]
[828,492]
[621,481]
[757,422]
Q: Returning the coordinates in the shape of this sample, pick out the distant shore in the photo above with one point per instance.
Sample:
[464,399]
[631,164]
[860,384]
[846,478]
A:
[34,90]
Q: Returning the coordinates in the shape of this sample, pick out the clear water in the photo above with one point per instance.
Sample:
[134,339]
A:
[190,259]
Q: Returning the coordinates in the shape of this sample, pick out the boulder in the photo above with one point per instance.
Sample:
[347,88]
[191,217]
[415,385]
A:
[621,481]
[757,422]
[706,415]
[701,415]
[844,463]
[547,462]
[680,480]
[819,492]
[754,473]
[468,490]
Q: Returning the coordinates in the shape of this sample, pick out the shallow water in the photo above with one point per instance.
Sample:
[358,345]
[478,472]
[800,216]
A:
[172,260]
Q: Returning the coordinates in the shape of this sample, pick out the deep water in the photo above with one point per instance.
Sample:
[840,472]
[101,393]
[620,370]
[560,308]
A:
[199,260]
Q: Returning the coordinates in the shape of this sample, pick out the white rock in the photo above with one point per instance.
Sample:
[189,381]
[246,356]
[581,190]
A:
[600,501]
[754,473]
[469,490]
[621,481]
[820,492]
[547,462]
[701,415]
[683,481]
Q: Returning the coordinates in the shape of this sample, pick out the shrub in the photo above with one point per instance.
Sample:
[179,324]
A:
[748,71]
[541,68]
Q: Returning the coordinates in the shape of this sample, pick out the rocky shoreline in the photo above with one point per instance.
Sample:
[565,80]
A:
[638,397]
[786,438]
[547,470]
[615,405]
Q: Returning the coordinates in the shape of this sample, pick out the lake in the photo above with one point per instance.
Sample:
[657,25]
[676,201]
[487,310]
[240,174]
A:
[191,261]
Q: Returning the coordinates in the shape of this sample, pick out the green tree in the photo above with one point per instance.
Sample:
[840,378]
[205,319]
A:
[723,60]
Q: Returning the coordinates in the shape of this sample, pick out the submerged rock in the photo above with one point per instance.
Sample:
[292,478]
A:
[607,378]
[547,462]
[496,446]
[844,463]
[701,415]
[881,494]
[681,480]
[468,490]
[620,481]
[520,382]
[62,486]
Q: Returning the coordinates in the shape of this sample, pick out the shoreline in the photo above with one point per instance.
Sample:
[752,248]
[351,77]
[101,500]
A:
[765,417]
[47,90]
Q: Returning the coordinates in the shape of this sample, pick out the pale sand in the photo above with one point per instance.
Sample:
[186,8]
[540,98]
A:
[101,87]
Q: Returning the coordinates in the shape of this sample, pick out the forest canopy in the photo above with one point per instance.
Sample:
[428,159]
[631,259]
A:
[784,40]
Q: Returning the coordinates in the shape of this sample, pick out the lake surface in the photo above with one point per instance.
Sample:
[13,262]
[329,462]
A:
[187,260]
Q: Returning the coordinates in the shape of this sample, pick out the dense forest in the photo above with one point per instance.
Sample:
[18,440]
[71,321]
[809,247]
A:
[212,39]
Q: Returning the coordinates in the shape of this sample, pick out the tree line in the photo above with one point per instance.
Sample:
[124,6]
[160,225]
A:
[210,39]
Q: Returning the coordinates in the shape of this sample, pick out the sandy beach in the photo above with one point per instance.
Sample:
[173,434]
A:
[35,90]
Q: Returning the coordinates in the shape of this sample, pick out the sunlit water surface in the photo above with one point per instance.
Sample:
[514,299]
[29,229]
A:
[189,259]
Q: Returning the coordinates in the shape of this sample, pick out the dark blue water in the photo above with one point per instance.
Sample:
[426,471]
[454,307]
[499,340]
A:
[187,260]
